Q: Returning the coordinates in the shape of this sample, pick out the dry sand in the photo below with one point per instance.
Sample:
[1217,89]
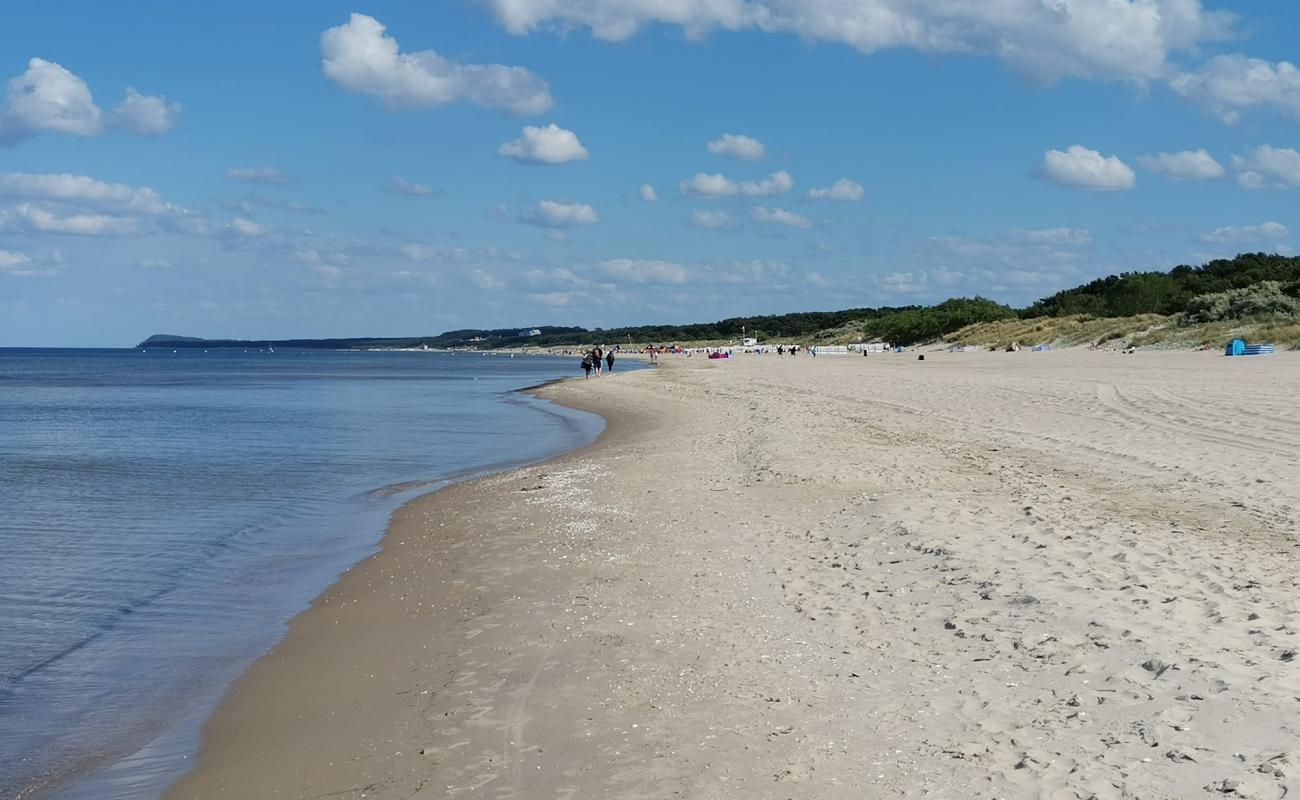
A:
[1067,574]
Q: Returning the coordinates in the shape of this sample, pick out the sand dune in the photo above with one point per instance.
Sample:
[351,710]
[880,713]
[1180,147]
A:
[1057,575]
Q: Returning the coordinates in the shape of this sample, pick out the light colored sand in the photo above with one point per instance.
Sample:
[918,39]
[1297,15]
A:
[1057,575]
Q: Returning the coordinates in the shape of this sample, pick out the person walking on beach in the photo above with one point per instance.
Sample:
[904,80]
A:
[609,360]
[586,365]
[597,358]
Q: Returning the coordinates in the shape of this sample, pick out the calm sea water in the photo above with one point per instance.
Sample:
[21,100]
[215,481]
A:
[162,516]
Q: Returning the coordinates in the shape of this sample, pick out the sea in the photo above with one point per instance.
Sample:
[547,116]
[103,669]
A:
[163,514]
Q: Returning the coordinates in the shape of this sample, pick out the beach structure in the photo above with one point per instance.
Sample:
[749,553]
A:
[1239,347]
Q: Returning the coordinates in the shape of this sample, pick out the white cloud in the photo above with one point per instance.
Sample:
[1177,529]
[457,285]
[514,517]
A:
[555,214]
[904,282]
[1251,181]
[557,276]
[648,193]
[1231,84]
[257,175]
[85,191]
[703,183]
[1247,233]
[43,220]
[1188,165]
[486,281]
[819,280]
[49,97]
[776,183]
[643,271]
[1081,168]
[148,115]
[779,216]
[1053,236]
[549,145]
[1045,40]
[701,218]
[738,146]
[359,57]
[715,185]
[843,189]
[12,260]
[401,185]
[247,228]
[1268,167]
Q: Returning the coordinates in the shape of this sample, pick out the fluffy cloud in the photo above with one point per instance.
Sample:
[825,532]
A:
[1105,39]
[1268,167]
[654,272]
[701,218]
[904,282]
[257,175]
[11,260]
[738,146]
[400,185]
[40,219]
[1052,236]
[49,97]
[247,228]
[148,115]
[1247,233]
[713,185]
[843,189]
[779,216]
[549,145]
[84,191]
[703,183]
[648,193]
[1081,168]
[1230,84]
[776,183]
[555,214]
[359,57]
[1188,165]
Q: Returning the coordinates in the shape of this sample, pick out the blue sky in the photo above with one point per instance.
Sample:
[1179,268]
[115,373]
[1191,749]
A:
[342,169]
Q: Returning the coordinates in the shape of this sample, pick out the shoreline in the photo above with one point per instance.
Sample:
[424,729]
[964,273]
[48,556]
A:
[160,760]
[245,701]
[980,575]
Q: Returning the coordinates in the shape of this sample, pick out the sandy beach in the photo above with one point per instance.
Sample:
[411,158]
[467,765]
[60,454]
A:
[1069,574]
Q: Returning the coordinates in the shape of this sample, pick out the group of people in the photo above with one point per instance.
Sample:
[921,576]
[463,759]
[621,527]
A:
[594,359]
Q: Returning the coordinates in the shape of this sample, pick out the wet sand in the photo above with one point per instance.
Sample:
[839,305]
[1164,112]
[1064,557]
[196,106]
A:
[1065,574]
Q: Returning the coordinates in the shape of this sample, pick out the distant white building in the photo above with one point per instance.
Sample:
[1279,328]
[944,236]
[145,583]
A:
[531,332]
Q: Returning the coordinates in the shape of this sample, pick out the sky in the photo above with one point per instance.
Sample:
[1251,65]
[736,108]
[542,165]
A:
[274,170]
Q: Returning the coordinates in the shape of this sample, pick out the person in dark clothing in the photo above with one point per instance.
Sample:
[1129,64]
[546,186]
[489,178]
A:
[609,360]
[587,365]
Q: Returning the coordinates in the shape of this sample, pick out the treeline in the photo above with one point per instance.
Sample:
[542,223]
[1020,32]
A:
[775,326]
[1171,292]
[1250,284]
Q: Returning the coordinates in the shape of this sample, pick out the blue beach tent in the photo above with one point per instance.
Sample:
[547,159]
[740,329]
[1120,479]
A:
[1238,347]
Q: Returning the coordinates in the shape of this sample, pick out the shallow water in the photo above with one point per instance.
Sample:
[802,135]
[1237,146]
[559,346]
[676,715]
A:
[162,515]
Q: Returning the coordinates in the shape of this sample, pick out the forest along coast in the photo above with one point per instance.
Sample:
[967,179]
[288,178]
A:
[1064,574]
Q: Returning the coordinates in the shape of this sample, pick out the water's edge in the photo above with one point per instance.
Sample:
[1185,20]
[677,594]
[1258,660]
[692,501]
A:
[150,770]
